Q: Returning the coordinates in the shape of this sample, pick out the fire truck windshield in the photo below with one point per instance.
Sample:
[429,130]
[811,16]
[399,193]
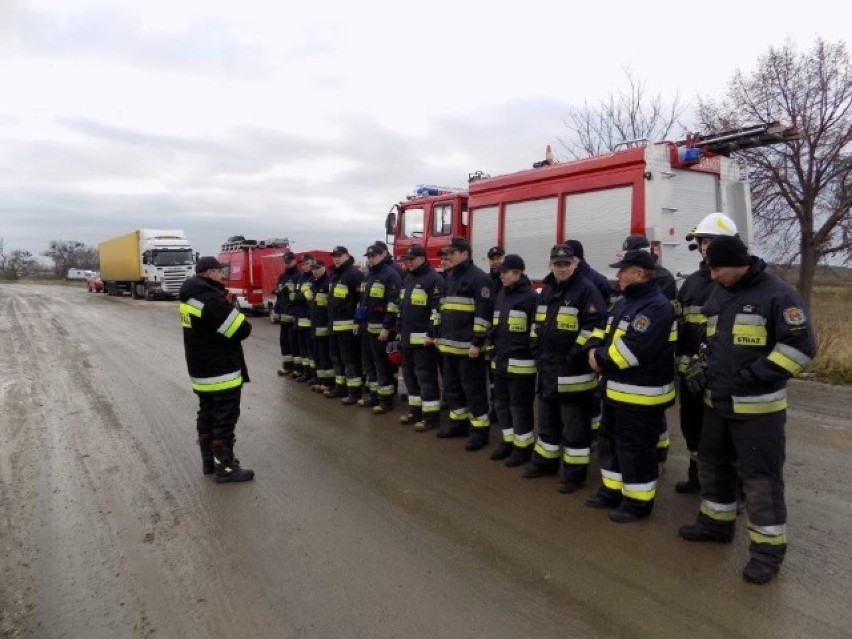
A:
[180,257]
[412,222]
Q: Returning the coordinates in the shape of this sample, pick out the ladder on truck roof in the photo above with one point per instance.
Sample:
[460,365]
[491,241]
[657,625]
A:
[748,137]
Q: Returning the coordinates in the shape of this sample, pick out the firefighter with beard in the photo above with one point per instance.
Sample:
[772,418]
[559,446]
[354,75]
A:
[758,336]
[636,360]
[691,337]
[465,320]
[378,307]
[419,304]
[570,312]
[513,366]
[213,331]
[285,290]
[319,327]
[344,345]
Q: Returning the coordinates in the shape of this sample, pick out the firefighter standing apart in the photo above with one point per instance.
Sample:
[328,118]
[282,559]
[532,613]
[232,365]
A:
[213,331]
[758,336]
[570,312]
[344,345]
[419,304]
[691,336]
[636,360]
[465,320]
[512,363]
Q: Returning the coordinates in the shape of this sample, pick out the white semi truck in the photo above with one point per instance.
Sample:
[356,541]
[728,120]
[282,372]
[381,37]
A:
[147,263]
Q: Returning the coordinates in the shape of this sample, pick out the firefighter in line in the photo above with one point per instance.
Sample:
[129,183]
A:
[319,327]
[464,321]
[419,304]
[495,257]
[758,336]
[213,331]
[570,311]
[691,337]
[376,317]
[344,345]
[304,362]
[513,365]
[666,281]
[283,312]
[385,256]
[602,284]
[636,360]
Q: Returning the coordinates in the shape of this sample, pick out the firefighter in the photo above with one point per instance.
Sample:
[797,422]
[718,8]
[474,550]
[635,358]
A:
[636,359]
[283,312]
[344,345]
[384,255]
[378,308]
[513,365]
[319,324]
[666,281]
[495,258]
[419,303]
[602,284]
[465,320]
[570,310]
[213,331]
[691,337]
[758,336]
[304,364]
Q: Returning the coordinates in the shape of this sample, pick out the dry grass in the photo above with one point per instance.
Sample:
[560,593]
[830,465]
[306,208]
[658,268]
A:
[832,321]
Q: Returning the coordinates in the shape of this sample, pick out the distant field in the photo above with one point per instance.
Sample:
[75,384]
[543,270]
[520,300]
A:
[833,325]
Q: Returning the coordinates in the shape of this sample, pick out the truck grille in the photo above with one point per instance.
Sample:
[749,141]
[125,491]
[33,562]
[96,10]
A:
[173,280]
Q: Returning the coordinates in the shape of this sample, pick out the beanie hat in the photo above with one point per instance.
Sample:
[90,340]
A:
[577,247]
[727,250]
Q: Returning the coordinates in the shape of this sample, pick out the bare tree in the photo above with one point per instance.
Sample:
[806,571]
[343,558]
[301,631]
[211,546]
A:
[801,189]
[71,254]
[20,263]
[629,114]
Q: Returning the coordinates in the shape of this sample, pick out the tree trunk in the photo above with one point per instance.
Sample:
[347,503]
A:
[807,270]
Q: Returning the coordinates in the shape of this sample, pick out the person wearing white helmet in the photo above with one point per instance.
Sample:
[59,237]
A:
[692,333]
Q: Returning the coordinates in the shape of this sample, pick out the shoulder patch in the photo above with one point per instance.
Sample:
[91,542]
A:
[485,292]
[592,308]
[641,323]
[748,308]
[794,316]
[436,290]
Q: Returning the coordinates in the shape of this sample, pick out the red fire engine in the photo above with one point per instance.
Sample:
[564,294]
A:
[661,190]
[243,277]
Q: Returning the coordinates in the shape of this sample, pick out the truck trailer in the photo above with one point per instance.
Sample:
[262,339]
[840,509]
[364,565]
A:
[147,263]
[660,190]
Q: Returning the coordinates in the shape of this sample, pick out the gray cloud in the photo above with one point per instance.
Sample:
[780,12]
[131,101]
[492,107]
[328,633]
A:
[224,189]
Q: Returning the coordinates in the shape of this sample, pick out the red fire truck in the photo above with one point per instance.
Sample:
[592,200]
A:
[243,277]
[661,190]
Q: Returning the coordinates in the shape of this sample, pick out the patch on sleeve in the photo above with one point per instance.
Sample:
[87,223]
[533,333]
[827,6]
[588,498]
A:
[794,316]
[592,308]
[641,323]
[485,292]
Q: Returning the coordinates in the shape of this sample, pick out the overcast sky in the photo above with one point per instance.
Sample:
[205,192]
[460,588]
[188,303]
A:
[310,119]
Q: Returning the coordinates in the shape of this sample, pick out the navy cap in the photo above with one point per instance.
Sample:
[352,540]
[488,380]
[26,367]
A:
[495,251]
[577,247]
[380,246]
[319,263]
[339,250]
[459,244]
[512,262]
[727,250]
[415,250]
[208,263]
[373,250]
[307,257]
[561,253]
[636,257]
[635,242]
[289,256]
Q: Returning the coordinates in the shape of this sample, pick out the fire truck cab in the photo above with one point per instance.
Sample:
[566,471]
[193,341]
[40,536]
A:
[243,275]
[661,190]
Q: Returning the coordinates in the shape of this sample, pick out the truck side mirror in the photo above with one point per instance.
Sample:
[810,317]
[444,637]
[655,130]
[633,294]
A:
[144,258]
[390,223]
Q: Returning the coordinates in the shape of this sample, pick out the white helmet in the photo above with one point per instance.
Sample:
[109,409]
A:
[713,225]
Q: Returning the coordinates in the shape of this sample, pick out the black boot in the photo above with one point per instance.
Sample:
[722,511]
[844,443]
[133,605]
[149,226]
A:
[519,456]
[427,423]
[226,467]
[414,415]
[758,572]
[454,429]
[478,439]
[503,450]
[691,485]
[206,454]
[368,400]
[540,470]
[337,391]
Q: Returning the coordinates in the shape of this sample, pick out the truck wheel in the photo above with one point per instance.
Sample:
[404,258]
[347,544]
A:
[134,291]
[148,295]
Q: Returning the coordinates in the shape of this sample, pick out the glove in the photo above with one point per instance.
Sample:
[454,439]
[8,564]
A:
[695,375]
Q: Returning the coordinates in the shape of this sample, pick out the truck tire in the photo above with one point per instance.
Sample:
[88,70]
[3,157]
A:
[148,295]
[134,291]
